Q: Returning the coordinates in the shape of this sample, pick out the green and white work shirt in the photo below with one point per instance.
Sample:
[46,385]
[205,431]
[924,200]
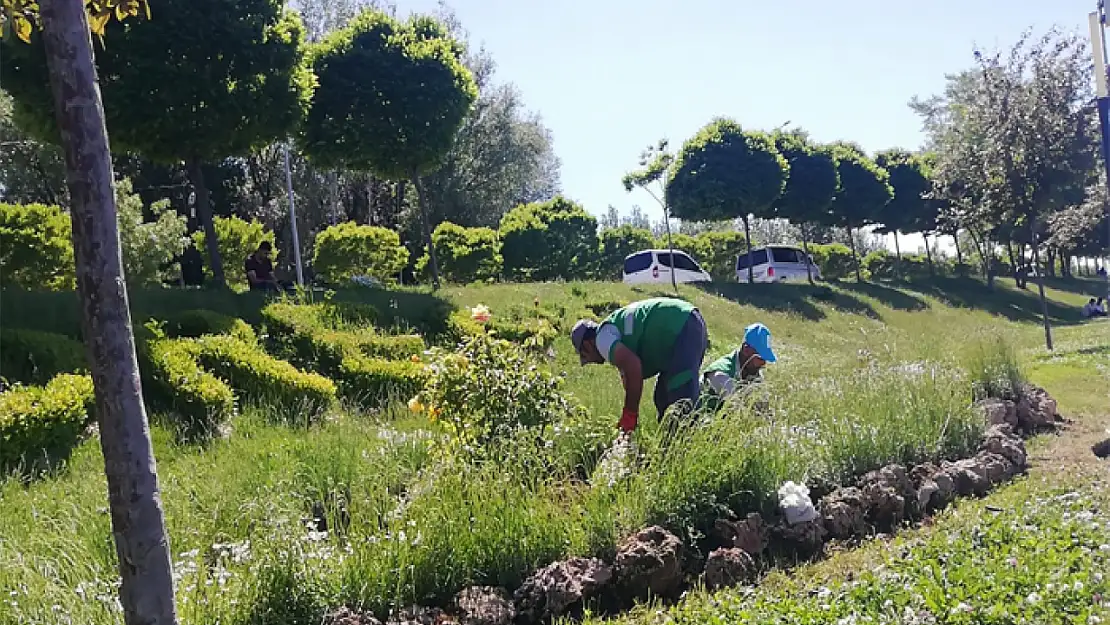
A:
[649,328]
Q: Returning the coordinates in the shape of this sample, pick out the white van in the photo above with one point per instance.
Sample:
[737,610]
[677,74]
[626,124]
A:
[776,263]
[655,267]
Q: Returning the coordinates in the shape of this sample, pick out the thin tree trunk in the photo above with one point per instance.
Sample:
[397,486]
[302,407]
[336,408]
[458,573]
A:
[670,245]
[929,255]
[138,526]
[334,197]
[204,212]
[748,242]
[421,198]
[1044,300]
[855,256]
[805,246]
[959,254]
[897,256]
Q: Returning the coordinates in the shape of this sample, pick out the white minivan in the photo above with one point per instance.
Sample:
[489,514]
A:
[655,267]
[776,263]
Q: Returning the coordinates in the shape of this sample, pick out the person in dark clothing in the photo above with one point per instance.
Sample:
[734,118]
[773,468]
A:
[260,271]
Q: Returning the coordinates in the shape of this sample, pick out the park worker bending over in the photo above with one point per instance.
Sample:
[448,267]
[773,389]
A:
[743,365]
[661,336]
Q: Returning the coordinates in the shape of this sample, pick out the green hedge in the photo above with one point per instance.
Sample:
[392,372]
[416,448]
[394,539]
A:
[174,381]
[530,333]
[44,421]
[259,377]
[371,381]
[199,322]
[34,357]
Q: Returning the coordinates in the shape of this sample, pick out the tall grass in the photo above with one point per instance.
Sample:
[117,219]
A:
[993,367]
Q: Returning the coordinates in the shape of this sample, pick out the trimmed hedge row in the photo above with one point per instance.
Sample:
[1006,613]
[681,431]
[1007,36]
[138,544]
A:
[256,376]
[353,358]
[34,357]
[44,421]
[531,333]
[174,381]
[199,322]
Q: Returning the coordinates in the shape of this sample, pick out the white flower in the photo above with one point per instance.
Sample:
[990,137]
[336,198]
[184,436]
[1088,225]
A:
[1033,598]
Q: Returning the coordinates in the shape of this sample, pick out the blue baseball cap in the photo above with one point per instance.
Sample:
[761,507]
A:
[759,338]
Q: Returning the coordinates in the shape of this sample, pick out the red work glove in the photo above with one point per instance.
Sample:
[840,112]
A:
[628,420]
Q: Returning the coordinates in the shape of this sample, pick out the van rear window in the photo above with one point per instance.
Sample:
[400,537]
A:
[759,257]
[786,255]
[681,261]
[637,262]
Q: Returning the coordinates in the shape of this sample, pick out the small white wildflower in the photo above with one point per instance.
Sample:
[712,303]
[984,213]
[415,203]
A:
[1078,586]
[1033,598]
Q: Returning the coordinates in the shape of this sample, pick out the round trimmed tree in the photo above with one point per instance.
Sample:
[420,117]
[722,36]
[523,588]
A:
[391,97]
[201,82]
[811,187]
[910,181]
[724,172]
[864,191]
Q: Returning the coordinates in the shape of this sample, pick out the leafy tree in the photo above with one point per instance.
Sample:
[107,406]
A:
[347,250]
[864,191]
[465,254]
[724,172]
[21,17]
[36,249]
[147,246]
[656,162]
[910,181]
[548,240]
[617,244]
[391,97]
[203,81]
[31,172]
[236,239]
[813,182]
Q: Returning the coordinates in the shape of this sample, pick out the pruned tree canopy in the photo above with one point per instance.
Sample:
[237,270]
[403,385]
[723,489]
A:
[909,177]
[864,187]
[813,180]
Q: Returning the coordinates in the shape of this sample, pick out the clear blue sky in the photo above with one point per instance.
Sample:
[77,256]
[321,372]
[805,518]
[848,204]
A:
[612,76]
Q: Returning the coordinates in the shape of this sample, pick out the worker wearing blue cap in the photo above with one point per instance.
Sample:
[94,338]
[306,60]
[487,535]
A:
[742,364]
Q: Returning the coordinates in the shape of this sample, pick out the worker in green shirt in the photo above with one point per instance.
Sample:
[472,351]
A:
[660,336]
[743,365]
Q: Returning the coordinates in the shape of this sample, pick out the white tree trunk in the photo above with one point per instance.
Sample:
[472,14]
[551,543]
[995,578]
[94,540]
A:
[146,591]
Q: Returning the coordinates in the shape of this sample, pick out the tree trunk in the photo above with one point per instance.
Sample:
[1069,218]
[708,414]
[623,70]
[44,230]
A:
[855,255]
[138,526]
[1050,262]
[929,255]
[959,254]
[805,246]
[897,257]
[1044,300]
[670,245]
[204,212]
[421,198]
[334,197]
[1010,253]
[748,242]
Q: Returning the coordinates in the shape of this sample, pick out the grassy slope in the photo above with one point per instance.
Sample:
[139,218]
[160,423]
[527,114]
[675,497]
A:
[258,477]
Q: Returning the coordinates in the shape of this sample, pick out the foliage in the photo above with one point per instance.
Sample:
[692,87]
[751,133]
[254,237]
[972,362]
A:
[1082,228]
[993,367]
[549,240]
[31,172]
[147,246]
[38,421]
[260,378]
[237,239]
[487,391]
[199,322]
[834,260]
[174,381]
[909,178]
[33,357]
[21,17]
[717,252]
[813,181]
[347,250]
[532,333]
[617,244]
[724,172]
[864,188]
[36,248]
[465,254]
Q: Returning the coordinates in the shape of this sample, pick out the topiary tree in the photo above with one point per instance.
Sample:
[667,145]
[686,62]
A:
[391,97]
[203,81]
[548,240]
[910,181]
[347,250]
[465,254]
[724,172]
[864,191]
[617,244]
[236,239]
[810,189]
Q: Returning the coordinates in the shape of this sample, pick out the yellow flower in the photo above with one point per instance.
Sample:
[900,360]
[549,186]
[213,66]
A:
[415,405]
[480,313]
[433,413]
[414,358]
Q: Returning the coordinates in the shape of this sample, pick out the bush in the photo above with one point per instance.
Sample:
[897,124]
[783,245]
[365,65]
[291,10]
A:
[33,357]
[533,334]
[717,252]
[549,240]
[174,381]
[261,378]
[237,239]
[147,246]
[834,260]
[375,382]
[36,248]
[994,370]
[616,245]
[881,265]
[465,255]
[347,250]
[488,390]
[37,421]
[199,322]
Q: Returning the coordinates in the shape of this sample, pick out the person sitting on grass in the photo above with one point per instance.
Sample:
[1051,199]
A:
[260,271]
[661,336]
[1094,309]
[743,365]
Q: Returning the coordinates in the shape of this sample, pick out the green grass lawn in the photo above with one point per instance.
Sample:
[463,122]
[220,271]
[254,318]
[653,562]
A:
[414,529]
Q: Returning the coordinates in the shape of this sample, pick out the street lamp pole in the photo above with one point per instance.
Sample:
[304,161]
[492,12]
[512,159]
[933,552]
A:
[1097,21]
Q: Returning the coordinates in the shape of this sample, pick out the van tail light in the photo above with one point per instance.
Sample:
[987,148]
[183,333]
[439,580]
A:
[771,272]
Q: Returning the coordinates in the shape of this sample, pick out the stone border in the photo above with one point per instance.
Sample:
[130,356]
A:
[653,562]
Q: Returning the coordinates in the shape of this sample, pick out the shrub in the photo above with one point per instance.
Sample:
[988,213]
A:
[174,381]
[261,378]
[347,250]
[374,382]
[34,357]
[37,421]
[617,244]
[994,370]
[834,260]
[533,334]
[199,322]
[465,254]
[717,252]
[881,265]
[36,249]
[147,246]
[237,239]
[390,346]
[549,240]
[488,390]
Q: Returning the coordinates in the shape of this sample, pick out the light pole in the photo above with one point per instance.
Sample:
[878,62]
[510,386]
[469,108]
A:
[1097,22]
[293,215]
